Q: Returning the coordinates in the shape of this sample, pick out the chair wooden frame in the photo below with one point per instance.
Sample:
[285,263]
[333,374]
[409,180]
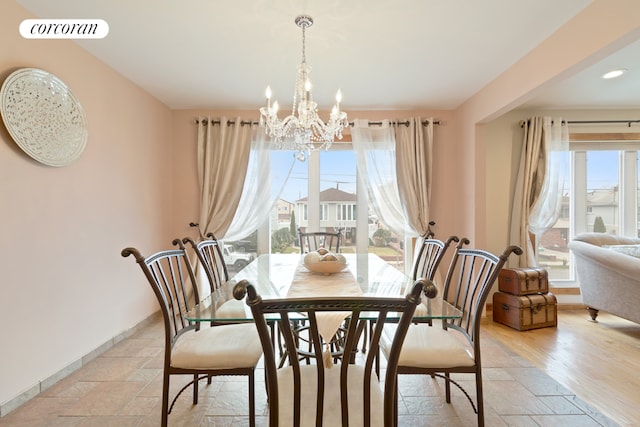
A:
[288,309]
[469,280]
[313,240]
[172,279]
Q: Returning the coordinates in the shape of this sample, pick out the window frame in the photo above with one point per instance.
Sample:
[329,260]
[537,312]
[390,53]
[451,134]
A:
[309,212]
[628,147]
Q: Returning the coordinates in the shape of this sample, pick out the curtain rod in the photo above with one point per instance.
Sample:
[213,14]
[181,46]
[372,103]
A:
[590,122]
[628,122]
[249,122]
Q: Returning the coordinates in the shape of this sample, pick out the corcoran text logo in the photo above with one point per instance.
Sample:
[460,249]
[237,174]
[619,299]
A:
[64,28]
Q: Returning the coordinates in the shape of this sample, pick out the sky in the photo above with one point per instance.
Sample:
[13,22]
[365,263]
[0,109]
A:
[337,170]
[602,169]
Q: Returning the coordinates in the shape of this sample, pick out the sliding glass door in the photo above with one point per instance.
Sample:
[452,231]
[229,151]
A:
[323,194]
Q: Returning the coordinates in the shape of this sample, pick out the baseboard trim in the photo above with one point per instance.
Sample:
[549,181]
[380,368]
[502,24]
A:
[564,291]
[41,386]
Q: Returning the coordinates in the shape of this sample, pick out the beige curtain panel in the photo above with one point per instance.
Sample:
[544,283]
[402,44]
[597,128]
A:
[539,186]
[414,157]
[223,155]
[528,184]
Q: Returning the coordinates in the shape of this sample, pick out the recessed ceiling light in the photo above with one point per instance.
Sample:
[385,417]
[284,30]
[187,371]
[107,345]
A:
[614,73]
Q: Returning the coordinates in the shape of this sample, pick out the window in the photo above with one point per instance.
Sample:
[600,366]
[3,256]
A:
[324,195]
[346,212]
[602,197]
[324,212]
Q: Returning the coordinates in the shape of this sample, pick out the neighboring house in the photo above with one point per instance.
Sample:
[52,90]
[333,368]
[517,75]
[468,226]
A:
[603,202]
[337,210]
[281,215]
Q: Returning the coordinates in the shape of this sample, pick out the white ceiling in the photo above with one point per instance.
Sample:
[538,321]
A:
[587,89]
[409,54]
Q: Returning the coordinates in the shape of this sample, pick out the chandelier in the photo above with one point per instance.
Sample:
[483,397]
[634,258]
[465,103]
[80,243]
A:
[304,131]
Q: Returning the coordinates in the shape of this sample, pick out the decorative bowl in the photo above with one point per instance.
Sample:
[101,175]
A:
[326,267]
[325,264]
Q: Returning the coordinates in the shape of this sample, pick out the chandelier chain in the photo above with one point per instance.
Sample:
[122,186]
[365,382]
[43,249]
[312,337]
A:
[304,43]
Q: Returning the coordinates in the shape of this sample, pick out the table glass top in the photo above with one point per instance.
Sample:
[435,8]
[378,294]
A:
[273,276]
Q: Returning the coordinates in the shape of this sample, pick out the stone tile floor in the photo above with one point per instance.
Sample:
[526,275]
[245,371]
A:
[122,387]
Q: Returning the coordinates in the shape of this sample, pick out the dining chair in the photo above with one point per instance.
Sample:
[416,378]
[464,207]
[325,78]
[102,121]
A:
[430,254]
[209,254]
[325,393]
[455,347]
[232,349]
[426,264]
[314,240]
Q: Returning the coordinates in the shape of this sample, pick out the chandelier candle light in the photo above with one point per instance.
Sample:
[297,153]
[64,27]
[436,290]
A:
[305,131]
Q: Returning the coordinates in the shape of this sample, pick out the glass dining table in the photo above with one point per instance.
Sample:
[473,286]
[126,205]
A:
[285,276]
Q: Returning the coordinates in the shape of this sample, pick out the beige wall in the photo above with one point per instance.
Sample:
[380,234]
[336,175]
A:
[65,288]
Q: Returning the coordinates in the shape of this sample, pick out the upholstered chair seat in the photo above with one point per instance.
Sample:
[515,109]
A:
[429,347]
[332,401]
[222,347]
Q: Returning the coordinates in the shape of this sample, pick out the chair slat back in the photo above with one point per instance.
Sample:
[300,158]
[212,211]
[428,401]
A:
[312,241]
[172,280]
[288,310]
[430,255]
[209,253]
[469,280]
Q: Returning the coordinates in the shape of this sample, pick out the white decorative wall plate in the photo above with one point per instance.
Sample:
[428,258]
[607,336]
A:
[43,117]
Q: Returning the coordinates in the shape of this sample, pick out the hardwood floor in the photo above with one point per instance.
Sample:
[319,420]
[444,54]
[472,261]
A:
[598,361]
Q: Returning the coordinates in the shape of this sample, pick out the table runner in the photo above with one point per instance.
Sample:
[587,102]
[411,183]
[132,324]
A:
[307,284]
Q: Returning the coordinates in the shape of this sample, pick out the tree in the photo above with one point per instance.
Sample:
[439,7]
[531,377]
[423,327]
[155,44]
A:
[381,237]
[281,240]
[292,226]
[598,225]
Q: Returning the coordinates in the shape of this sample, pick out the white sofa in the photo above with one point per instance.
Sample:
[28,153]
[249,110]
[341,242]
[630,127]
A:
[609,277]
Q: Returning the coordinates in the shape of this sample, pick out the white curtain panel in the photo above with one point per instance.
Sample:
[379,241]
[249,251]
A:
[376,156]
[546,209]
[223,155]
[261,188]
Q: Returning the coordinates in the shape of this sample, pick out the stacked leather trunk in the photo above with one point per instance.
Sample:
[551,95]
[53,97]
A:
[523,301]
